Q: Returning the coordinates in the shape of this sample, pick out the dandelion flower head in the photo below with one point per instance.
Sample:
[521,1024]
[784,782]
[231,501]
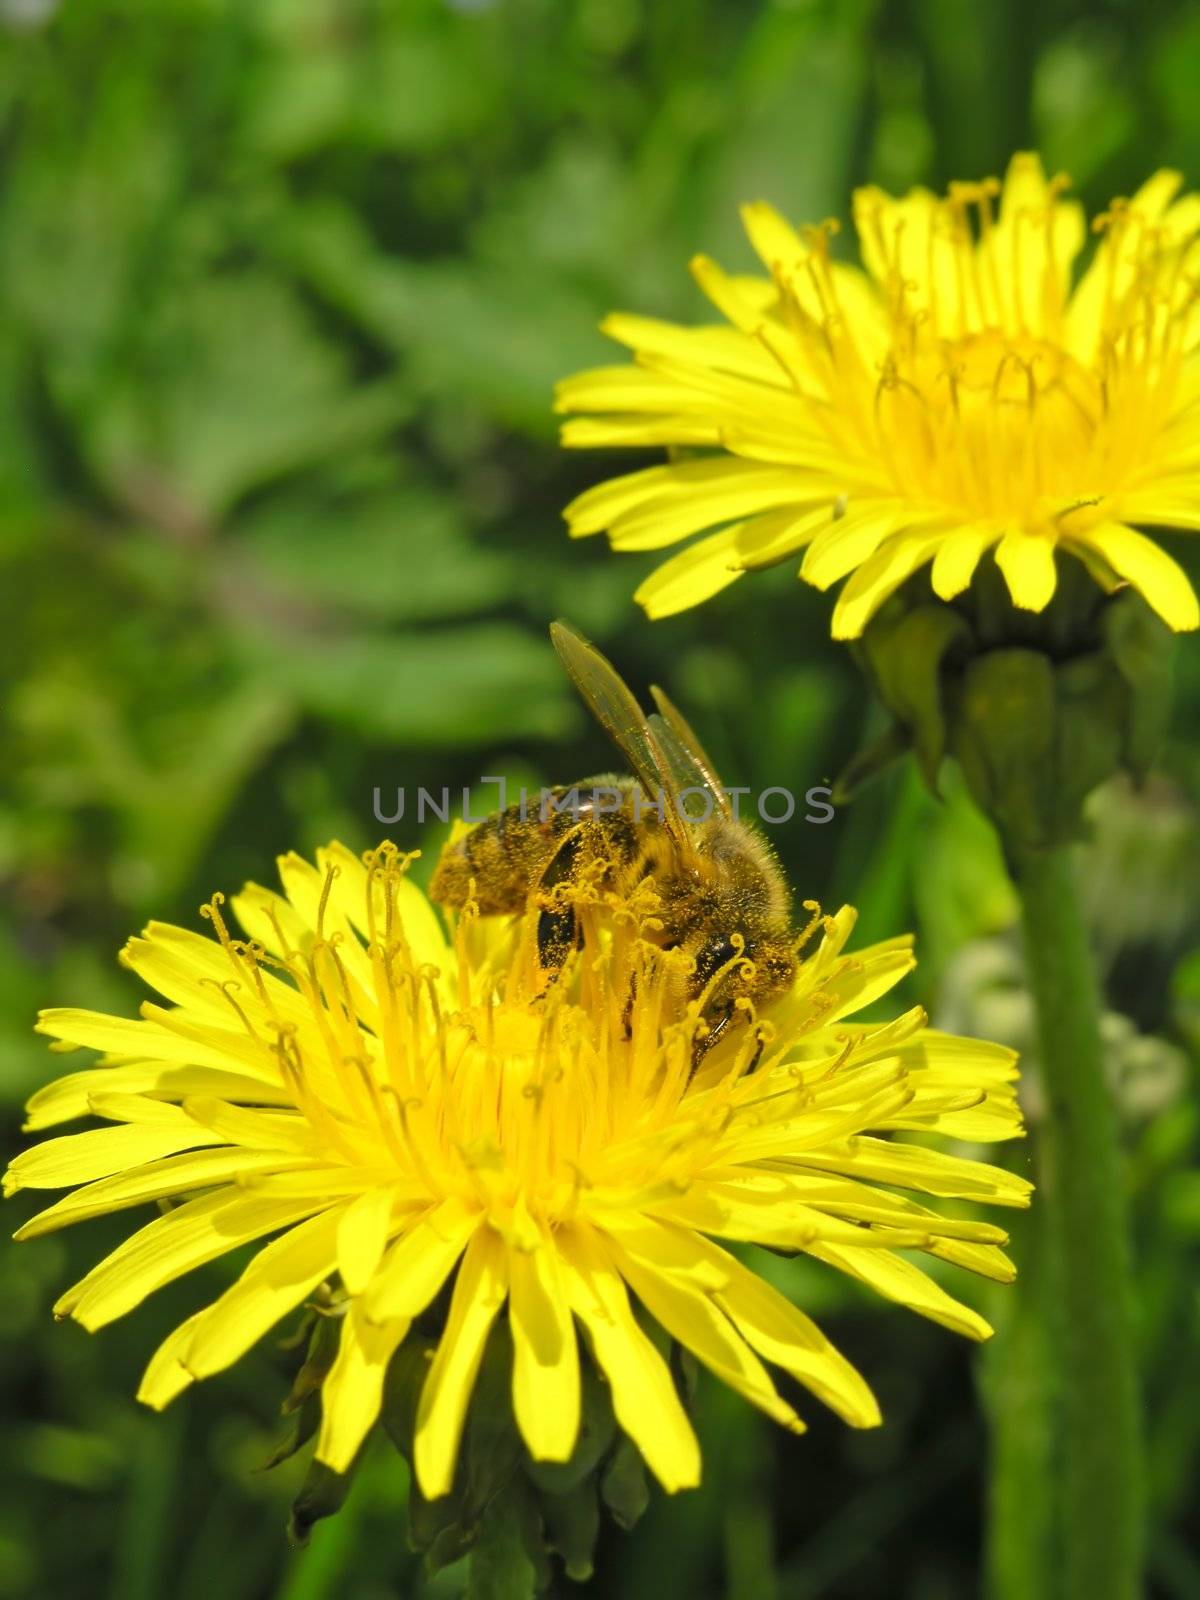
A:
[417,1124]
[963,393]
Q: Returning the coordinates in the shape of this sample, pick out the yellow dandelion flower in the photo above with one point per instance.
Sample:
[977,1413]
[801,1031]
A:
[400,1109]
[957,396]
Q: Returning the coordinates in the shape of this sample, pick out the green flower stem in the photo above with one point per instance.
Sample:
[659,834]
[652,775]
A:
[1083,1208]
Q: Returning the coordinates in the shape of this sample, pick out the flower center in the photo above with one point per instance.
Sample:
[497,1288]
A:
[988,391]
[992,426]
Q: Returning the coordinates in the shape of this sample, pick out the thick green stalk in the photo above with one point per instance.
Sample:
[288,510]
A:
[1083,1207]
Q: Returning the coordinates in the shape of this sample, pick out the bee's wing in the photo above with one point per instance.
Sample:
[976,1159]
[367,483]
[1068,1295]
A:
[612,703]
[688,760]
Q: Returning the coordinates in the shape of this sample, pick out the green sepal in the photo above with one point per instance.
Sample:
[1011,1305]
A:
[1039,708]
[305,1422]
[437,1530]
[685,1369]
[572,1524]
[508,1560]
[303,1403]
[1004,738]
[1143,649]
[504,1510]
[323,1340]
[870,763]
[597,1428]
[1092,707]
[906,655]
[492,1453]
[406,1376]
[322,1494]
[624,1487]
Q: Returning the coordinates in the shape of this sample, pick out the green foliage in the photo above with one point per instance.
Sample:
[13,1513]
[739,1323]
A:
[286,286]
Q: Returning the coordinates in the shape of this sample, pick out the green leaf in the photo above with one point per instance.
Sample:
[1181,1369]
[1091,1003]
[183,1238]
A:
[469,333]
[401,554]
[252,391]
[442,689]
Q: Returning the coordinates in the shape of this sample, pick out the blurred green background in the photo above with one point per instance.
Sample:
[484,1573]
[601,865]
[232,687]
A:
[286,286]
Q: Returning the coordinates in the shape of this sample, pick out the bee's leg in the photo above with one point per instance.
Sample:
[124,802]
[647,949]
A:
[557,936]
[704,1042]
[603,837]
[558,930]
[627,1012]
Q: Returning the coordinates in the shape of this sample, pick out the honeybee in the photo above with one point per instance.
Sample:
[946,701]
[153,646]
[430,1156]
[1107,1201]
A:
[720,891]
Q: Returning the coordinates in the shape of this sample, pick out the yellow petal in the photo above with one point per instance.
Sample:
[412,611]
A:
[200,1230]
[269,918]
[692,576]
[545,1354]
[352,1392]
[421,924]
[71,1096]
[325,900]
[711,564]
[850,984]
[690,1317]
[668,517]
[276,1281]
[100,1152]
[879,578]
[259,1130]
[1157,193]
[958,555]
[643,1392]
[363,1236]
[985,1260]
[120,1036]
[849,540]
[766,541]
[155,1180]
[418,1264]
[1032,247]
[1027,562]
[167,1036]
[721,348]
[897,1279]
[1157,577]
[734,1211]
[1114,267]
[165,1376]
[622,390]
[194,970]
[775,241]
[727,294]
[1164,508]
[784,1335]
[911,1166]
[479,1293]
[190,1036]
[603,433]
[909,242]
[767,1321]
[605,503]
